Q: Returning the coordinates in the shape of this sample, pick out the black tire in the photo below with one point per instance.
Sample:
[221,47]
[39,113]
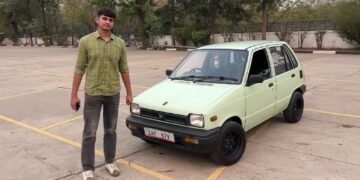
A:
[231,145]
[294,111]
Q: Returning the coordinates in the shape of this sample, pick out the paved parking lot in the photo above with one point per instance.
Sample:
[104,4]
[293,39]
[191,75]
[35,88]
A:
[40,137]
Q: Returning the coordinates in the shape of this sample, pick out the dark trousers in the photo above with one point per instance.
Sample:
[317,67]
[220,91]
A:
[92,109]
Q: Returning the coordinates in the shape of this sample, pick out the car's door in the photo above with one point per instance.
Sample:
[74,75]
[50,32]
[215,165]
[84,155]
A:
[260,97]
[284,76]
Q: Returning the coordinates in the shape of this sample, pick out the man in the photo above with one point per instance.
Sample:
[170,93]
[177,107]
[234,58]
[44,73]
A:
[102,56]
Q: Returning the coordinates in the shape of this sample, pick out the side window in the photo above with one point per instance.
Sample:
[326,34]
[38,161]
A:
[287,59]
[291,56]
[281,60]
[260,64]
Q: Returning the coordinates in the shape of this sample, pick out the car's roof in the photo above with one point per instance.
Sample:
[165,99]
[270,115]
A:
[241,45]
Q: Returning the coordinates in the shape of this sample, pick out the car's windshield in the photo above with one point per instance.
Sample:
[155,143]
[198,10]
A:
[214,65]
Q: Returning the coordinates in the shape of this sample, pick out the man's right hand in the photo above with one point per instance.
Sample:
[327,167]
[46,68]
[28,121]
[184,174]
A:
[73,102]
[74,91]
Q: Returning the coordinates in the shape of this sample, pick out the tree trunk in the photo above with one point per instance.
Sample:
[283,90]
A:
[211,10]
[42,4]
[141,15]
[57,16]
[31,38]
[264,20]
[173,20]
[30,21]
[91,24]
[72,23]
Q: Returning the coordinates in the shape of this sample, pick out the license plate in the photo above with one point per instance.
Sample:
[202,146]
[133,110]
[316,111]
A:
[158,134]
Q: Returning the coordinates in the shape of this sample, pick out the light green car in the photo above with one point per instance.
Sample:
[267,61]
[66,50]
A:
[216,94]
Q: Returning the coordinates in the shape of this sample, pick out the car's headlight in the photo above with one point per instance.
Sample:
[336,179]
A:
[197,120]
[135,108]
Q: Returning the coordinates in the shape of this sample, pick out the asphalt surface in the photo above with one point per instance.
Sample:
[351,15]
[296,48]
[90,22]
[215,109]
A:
[40,136]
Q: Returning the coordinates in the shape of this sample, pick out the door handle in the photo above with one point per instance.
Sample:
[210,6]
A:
[271,85]
[293,75]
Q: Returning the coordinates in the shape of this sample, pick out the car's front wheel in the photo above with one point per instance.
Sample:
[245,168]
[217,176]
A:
[231,145]
[294,111]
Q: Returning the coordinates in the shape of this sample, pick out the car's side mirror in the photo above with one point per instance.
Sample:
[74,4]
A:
[168,72]
[254,79]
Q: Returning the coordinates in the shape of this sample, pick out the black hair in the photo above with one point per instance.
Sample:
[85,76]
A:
[106,12]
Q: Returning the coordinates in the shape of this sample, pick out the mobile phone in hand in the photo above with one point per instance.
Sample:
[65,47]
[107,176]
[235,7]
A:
[77,106]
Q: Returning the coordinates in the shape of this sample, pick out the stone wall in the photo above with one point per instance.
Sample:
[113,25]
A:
[331,39]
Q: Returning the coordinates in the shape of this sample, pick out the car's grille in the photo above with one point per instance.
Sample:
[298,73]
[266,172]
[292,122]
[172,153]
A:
[163,116]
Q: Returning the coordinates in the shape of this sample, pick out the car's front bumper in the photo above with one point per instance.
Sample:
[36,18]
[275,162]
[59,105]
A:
[207,139]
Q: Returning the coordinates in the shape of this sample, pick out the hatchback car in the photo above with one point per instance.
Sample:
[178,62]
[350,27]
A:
[216,94]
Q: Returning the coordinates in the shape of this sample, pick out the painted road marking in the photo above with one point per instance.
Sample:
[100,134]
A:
[333,113]
[51,88]
[68,121]
[43,132]
[258,131]
[144,170]
[62,122]
[78,145]
[31,92]
[339,80]
[39,72]
[216,173]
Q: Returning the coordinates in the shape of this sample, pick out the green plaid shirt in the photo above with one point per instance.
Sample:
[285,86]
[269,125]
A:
[102,61]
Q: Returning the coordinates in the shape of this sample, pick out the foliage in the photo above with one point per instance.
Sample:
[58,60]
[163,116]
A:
[200,37]
[78,16]
[143,13]
[181,34]
[61,40]
[347,19]
[185,20]
[307,11]
[233,11]
[47,40]
[2,37]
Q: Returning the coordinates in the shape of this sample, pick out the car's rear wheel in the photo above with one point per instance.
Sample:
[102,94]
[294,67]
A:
[231,144]
[294,111]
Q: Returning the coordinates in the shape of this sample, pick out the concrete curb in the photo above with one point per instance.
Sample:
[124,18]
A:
[37,46]
[324,52]
[327,51]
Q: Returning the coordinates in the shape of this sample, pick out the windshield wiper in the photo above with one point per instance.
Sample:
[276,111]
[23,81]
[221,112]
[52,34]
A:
[203,78]
[183,77]
[221,78]
[227,78]
[194,78]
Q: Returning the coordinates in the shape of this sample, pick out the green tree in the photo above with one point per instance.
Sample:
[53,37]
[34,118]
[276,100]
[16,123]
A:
[203,15]
[143,10]
[347,17]
[72,16]
[27,16]
[11,11]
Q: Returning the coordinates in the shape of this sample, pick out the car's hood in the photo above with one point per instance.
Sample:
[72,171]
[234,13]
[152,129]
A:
[182,97]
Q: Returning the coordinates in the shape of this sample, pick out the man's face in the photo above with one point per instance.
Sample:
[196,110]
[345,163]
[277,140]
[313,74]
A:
[105,22]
